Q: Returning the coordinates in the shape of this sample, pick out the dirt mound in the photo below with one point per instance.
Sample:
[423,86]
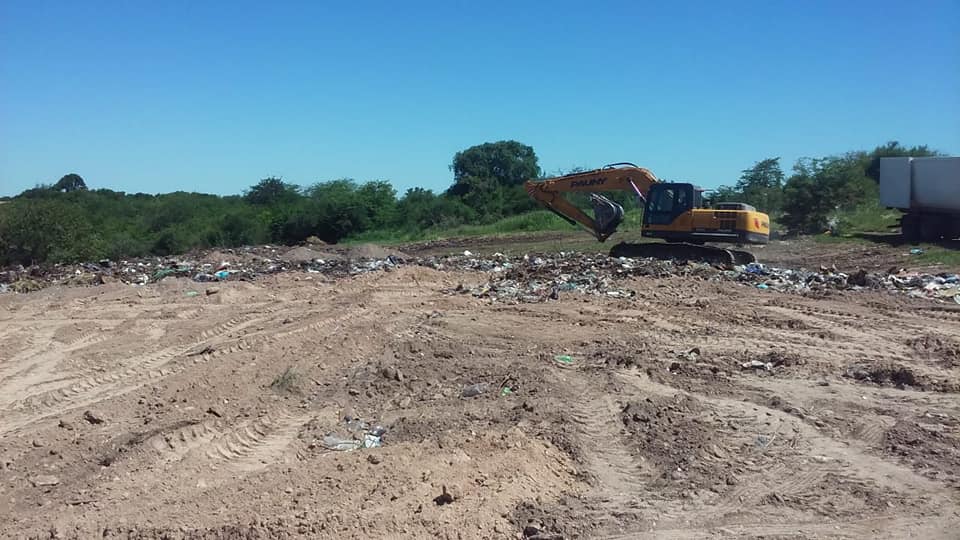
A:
[372,251]
[937,349]
[899,376]
[929,445]
[303,254]
[677,436]
[218,257]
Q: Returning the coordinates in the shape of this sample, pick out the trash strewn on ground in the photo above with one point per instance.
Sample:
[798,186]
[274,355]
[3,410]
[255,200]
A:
[358,434]
[527,278]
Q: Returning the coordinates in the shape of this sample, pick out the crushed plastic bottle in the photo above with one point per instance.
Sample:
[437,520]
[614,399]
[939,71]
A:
[475,390]
[332,442]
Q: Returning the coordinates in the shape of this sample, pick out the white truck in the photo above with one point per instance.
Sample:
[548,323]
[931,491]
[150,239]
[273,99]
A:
[927,191]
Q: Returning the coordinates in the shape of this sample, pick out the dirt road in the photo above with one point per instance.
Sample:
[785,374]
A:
[150,412]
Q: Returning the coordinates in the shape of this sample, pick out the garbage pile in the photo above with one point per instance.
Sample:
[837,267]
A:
[944,286]
[539,278]
[529,278]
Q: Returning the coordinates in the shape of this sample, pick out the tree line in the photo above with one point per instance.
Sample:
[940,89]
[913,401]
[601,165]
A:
[820,192]
[68,222]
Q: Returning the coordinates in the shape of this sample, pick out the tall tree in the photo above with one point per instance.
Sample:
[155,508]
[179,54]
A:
[762,185]
[271,191]
[506,162]
[821,187]
[487,176]
[70,182]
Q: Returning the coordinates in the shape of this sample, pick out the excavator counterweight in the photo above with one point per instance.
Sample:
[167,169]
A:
[673,212]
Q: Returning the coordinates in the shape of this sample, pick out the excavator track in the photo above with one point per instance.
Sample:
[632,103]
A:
[683,252]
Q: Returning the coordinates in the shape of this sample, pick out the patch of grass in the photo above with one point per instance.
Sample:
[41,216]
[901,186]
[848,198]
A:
[536,221]
[936,255]
[288,381]
[870,217]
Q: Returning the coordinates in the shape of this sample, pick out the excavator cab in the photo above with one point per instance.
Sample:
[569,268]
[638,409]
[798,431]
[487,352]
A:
[668,201]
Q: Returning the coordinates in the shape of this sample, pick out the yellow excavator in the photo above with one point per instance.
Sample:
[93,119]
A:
[672,211]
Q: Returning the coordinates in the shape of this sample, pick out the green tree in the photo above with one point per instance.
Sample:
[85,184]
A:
[70,182]
[420,209]
[380,200]
[819,188]
[35,231]
[487,177]
[762,185]
[271,191]
[506,162]
[895,149]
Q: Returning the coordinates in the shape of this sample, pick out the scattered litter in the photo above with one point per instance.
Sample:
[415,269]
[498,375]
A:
[757,364]
[531,277]
[44,480]
[506,391]
[916,251]
[332,442]
[191,294]
[362,435]
[475,390]
[563,358]
[92,418]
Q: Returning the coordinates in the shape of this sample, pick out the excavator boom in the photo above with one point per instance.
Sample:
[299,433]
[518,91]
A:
[607,214]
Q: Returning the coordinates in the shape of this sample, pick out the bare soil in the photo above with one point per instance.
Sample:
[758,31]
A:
[144,412]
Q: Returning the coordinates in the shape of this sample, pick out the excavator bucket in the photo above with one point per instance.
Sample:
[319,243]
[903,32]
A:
[607,215]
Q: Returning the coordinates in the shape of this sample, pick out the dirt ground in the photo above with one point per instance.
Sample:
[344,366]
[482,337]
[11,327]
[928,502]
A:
[153,412]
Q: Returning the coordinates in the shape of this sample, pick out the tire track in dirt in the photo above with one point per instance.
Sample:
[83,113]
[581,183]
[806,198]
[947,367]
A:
[797,472]
[620,479]
[872,428]
[256,445]
[175,445]
[128,376]
[245,448]
[877,528]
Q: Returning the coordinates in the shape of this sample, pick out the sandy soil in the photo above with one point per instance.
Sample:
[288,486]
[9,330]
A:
[147,413]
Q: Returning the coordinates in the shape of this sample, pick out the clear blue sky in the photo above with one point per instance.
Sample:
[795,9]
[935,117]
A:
[213,96]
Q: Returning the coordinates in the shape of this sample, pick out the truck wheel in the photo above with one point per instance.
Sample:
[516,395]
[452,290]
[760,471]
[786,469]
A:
[910,228]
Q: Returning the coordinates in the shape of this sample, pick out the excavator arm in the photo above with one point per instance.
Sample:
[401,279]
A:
[607,214]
